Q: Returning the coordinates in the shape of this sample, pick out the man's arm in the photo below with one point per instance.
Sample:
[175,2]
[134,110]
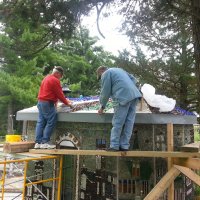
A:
[132,78]
[106,87]
[59,93]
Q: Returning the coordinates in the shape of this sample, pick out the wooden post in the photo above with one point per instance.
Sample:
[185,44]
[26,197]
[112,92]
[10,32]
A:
[170,147]
[163,184]
[141,104]
[189,173]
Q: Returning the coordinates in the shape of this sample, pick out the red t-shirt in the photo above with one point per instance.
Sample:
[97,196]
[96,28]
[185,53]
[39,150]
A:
[51,90]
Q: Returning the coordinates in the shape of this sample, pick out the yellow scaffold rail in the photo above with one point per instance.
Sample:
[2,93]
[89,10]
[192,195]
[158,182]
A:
[25,172]
[3,180]
[26,160]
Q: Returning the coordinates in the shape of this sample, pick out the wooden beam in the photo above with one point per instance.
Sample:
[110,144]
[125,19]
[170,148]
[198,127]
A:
[141,104]
[170,147]
[189,173]
[193,147]
[17,147]
[170,138]
[193,163]
[162,154]
[163,184]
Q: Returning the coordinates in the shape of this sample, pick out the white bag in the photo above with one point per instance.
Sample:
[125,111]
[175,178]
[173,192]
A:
[162,102]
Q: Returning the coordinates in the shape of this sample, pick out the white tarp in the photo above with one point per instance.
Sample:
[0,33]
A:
[162,102]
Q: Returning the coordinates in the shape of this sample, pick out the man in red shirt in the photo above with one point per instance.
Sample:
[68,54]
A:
[49,94]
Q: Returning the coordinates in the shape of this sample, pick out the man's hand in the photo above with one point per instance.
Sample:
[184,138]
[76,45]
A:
[71,105]
[101,111]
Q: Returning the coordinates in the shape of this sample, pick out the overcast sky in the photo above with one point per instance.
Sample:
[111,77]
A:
[114,40]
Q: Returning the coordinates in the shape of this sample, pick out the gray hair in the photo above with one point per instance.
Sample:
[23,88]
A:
[58,69]
[100,70]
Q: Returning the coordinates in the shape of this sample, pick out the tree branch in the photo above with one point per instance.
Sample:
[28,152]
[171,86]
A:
[98,15]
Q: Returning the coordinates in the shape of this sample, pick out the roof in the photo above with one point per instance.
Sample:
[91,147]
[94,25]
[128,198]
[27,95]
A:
[91,116]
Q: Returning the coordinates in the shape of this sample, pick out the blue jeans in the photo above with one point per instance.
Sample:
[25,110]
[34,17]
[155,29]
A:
[122,122]
[46,122]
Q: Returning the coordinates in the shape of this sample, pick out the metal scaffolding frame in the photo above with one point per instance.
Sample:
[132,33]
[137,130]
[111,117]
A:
[57,178]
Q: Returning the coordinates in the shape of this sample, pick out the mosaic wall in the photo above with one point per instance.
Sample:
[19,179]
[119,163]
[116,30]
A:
[38,171]
[105,178]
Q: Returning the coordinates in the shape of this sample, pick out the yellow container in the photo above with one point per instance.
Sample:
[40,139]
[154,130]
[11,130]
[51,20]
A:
[13,138]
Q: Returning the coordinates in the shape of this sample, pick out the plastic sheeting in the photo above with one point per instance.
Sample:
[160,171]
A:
[162,102]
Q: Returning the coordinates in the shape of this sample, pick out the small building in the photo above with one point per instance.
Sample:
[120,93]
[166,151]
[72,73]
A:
[115,178]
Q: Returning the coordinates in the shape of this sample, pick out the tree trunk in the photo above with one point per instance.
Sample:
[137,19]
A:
[183,94]
[10,119]
[196,39]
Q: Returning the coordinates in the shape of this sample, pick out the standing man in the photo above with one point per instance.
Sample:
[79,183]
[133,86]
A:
[50,92]
[121,87]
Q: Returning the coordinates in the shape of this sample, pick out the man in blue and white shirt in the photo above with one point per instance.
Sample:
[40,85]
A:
[121,87]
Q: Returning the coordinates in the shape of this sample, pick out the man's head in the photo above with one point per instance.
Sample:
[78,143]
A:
[100,70]
[58,71]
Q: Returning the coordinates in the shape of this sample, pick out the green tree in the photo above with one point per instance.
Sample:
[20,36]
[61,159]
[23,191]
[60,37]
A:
[18,80]
[170,66]
[33,25]
[22,72]
[16,93]
[151,23]
[165,30]
[27,29]
[81,59]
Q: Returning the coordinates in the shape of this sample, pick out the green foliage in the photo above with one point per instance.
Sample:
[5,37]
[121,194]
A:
[81,58]
[196,133]
[34,38]
[20,90]
[168,62]
[197,191]
[196,137]
[33,25]
[16,92]
[76,89]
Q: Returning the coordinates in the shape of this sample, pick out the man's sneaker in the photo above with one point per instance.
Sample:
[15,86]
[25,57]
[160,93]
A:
[47,146]
[37,146]
[122,149]
[112,149]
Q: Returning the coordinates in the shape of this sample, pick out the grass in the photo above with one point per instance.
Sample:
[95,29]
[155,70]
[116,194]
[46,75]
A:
[197,132]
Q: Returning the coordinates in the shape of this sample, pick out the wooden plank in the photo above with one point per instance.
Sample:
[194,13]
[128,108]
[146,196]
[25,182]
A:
[32,155]
[193,147]
[193,163]
[189,173]
[17,147]
[170,138]
[162,154]
[170,147]
[141,104]
[163,184]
